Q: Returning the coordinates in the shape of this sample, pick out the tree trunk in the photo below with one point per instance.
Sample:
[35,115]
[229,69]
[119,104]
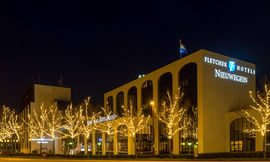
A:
[109,149]
[40,146]
[85,141]
[264,146]
[72,145]
[170,147]
[87,149]
[15,146]
[53,146]
[135,143]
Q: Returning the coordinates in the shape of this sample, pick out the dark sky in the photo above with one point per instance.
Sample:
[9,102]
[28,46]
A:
[100,45]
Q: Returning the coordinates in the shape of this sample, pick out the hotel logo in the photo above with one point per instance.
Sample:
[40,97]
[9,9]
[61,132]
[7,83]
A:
[231,66]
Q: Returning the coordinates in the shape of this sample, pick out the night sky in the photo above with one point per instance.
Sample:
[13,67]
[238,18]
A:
[100,45]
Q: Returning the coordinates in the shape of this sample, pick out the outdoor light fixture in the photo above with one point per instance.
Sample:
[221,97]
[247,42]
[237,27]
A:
[141,75]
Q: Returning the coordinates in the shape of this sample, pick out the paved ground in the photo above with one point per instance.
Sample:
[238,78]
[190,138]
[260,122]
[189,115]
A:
[65,160]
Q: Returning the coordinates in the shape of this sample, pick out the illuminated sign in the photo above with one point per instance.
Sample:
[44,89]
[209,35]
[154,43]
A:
[232,67]
[102,119]
[42,140]
[229,76]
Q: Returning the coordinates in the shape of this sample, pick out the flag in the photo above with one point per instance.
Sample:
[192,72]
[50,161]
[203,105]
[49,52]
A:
[182,49]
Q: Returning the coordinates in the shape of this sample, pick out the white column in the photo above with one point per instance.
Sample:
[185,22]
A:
[103,143]
[174,92]
[94,142]
[156,130]
[131,146]
[115,144]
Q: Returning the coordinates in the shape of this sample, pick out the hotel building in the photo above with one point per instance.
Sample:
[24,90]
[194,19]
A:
[214,84]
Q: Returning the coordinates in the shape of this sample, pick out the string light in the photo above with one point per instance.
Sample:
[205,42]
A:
[259,113]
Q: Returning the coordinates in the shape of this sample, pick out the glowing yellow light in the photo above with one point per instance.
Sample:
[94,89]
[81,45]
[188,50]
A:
[152,103]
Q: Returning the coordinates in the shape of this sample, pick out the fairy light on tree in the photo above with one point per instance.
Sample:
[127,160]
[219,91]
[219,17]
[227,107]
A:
[15,126]
[109,126]
[88,124]
[40,123]
[171,113]
[134,122]
[9,126]
[6,129]
[259,113]
[73,121]
[36,124]
[30,127]
[54,123]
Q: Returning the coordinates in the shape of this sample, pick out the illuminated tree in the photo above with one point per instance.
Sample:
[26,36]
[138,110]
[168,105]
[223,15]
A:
[88,124]
[73,121]
[5,122]
[259,113]
[109,126]
[14,125]
[31,127]
[54,124]
[9,125]
[171,114]
[37,124]
[134,122]
[39,120]
[190,125]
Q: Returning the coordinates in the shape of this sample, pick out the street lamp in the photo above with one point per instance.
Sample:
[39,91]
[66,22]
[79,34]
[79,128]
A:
[152,103]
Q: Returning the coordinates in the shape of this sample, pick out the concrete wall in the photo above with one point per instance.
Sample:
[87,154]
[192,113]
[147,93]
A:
[218,96]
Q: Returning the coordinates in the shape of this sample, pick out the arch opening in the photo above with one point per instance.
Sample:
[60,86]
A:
[110,103]
[147,97]
[132,99]
[187,80]
[239,139]
[119,103]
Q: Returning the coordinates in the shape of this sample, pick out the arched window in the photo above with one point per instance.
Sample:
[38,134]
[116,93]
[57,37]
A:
[132,99]
[240,140]
[110,103]
[188,84]
[147,97]
[164,86]
[122,139]
[119,103]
